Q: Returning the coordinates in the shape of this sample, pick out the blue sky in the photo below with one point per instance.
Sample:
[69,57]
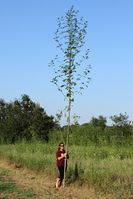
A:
[27,29]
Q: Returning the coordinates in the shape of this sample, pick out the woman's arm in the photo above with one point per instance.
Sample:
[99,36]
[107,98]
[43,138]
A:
[62,156]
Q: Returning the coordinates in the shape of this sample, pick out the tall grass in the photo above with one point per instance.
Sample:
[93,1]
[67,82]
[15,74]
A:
[108,168]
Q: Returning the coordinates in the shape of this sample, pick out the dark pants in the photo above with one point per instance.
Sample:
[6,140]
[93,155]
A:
[61,172]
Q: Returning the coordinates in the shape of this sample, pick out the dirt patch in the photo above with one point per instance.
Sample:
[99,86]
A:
[44,186]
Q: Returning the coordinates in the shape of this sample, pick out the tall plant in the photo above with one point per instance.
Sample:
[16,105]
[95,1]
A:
[72,73]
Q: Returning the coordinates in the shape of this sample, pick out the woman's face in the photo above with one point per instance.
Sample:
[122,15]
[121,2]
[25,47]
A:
[61,147]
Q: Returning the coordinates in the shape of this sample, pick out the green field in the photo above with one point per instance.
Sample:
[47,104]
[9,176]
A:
[109,169]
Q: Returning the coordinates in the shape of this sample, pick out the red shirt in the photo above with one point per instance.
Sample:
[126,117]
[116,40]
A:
[61,161]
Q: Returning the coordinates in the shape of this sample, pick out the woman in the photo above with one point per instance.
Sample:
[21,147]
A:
[60,162]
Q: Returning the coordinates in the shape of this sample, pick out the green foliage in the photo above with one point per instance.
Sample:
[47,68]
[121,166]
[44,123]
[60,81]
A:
[70,38]
[23,119]
[107,168]
[120,120]
[99,122]
[88,134]
[69,76]
[122,126]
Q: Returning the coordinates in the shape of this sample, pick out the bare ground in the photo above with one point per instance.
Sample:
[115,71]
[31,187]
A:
[44,186]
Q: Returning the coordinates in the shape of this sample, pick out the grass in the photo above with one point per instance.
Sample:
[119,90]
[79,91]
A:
[107,168]
[9,189]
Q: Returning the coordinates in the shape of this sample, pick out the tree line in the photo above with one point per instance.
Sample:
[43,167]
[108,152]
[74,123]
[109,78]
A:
[24,119]
[120,131]
[97,131]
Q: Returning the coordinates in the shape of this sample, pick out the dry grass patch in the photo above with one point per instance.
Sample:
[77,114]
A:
[44,186]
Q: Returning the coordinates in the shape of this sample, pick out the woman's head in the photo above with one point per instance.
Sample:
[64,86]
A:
[61,145]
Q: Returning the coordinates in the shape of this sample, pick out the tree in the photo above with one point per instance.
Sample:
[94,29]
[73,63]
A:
[3,118]
[122,125]
[24,119]
[120,120]
[99,122]
[41,123]
[71,73]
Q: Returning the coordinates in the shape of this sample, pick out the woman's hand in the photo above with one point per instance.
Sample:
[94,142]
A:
[64,155]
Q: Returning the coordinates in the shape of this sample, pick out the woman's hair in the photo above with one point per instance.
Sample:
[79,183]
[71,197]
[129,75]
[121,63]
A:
[61,143]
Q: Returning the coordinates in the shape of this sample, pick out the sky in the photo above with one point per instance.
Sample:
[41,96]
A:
[27,46]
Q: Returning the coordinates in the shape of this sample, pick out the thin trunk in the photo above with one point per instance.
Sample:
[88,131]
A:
[67,139]
[69,107]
